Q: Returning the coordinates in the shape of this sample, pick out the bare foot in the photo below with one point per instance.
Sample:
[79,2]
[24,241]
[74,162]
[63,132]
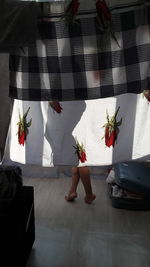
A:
[89,198]
[71,196]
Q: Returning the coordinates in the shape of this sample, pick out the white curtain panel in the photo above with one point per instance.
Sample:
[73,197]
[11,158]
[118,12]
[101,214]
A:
[52,136]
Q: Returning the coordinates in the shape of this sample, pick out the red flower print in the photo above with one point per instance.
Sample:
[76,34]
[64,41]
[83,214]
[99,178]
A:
[80,151]
[23,126]
[146,94]
[112,129]
[55,106]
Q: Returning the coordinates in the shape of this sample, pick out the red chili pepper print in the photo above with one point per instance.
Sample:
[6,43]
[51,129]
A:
[82,156]
[101,6]
[71,11]
[21,137]
[104,20]
[23,126]
[55,105]
[110,138]
[80,151]
[112,130]
[74,7]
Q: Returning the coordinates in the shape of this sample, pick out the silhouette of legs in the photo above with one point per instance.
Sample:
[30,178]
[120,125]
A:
[86,180]
[74,184]
[84,174]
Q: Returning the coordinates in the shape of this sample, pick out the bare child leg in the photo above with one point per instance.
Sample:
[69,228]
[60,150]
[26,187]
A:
[73,189]
[86,180]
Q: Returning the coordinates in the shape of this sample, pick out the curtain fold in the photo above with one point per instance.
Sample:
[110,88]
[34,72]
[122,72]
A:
[18,24]
[82,62]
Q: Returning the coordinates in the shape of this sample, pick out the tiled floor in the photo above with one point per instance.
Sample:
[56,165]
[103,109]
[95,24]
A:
[81,235]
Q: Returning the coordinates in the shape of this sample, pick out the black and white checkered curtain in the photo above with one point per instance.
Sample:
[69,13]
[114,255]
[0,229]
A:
[78,62]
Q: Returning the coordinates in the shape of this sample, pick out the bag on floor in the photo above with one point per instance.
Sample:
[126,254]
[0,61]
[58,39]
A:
[127,189]
[133,176]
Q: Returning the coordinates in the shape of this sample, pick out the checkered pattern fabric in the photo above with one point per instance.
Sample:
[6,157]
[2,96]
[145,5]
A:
[78,62]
